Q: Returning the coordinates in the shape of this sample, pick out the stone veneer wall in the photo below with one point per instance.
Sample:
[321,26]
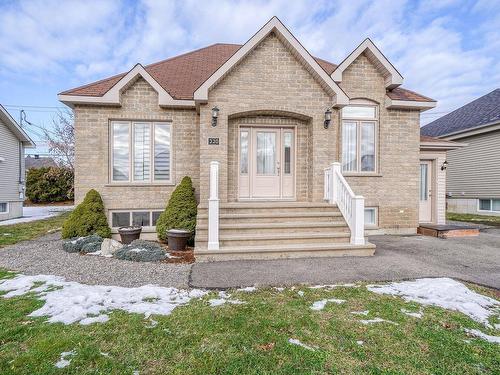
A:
[394,190]
[92,169]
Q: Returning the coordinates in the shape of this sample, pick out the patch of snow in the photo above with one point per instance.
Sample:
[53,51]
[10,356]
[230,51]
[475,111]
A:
[138,250]
[378,320]
[443,292]
[413,314]
[7,234]
[76,240]
[135,372]
[300,293]
[103,318]
[70,302]
[152,323]
[63,362]
[360,342]
[484,336]
[332,286]
[104,354]
[224,298]
[99,253]
[279,289]
[496,326]
[170,256]
[320,305]
[297,342]
[248,289]
[365,312]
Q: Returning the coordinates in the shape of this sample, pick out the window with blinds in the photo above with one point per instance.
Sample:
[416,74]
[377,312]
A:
[141,151]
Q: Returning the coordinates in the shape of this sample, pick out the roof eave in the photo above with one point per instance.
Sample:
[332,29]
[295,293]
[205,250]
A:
[471,131]
[409,104]
[16,129]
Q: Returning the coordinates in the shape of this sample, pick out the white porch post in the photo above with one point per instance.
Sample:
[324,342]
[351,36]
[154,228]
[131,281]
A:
[213,207]
[358,216]
[335,167]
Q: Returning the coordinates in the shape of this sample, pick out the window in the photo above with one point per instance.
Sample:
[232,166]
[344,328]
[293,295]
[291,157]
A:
[358,138]
[288,137]
[144,218]
[370,217]
[266,152]
[141,151]
[244,152]
[4,207]
[492,205]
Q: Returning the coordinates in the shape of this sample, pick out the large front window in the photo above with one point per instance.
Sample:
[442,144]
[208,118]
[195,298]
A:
[359,126]
[141,151]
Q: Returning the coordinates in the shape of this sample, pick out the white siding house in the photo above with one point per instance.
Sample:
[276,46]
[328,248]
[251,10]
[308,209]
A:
[13,141]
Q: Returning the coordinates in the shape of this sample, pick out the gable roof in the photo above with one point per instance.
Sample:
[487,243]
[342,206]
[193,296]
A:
[15,128]
[392,77]
[482,112]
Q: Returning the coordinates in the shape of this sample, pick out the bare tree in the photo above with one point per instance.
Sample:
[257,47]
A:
[61,138]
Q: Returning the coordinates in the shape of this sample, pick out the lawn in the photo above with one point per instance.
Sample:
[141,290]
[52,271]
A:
[477,219]
[253,338]
[11,234]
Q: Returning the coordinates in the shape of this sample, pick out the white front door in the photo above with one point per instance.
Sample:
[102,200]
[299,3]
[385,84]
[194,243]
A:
[267,157]
[425,207]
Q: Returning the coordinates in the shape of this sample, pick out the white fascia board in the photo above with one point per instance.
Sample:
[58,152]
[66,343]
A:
[408,104]
[470,132]
[395,78]
[15,128]
[201,94]
[441,146]
[112,97]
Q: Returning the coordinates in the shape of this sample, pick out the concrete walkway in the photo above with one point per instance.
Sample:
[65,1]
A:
[474,259]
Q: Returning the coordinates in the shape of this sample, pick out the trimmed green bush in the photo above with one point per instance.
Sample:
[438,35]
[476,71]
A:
[141,251]
[88,244]
[87,218]
[180,212]
[49,184]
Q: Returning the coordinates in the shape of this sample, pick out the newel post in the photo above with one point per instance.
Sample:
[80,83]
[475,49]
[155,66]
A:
[213,207]
[335,167]
[358,217]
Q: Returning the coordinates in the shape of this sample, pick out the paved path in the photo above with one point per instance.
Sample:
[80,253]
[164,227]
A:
[475,259]
[33,213]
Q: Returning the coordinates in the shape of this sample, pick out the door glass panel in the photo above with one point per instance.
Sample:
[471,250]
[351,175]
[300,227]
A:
[368,146]
[120,152]
[244,152]
[142,159]
[288,152]
[266,153]
[423,182]
[349,146]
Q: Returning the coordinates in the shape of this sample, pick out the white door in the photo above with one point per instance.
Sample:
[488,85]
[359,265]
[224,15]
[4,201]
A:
[425,207]
[267,158]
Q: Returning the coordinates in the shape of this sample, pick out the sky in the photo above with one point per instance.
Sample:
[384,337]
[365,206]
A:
[446,49]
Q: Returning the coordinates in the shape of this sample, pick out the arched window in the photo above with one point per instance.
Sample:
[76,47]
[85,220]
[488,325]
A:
[359,135]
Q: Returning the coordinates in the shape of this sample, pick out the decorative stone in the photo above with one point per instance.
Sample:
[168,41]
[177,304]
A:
[110,246]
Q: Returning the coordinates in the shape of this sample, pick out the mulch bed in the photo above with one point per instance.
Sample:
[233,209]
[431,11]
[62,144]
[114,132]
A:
[185,257]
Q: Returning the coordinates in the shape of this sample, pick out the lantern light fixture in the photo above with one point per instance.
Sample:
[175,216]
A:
[215,115]
[444,165]
[328,118]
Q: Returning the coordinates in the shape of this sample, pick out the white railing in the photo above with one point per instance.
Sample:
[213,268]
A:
[337,191]
[213,207]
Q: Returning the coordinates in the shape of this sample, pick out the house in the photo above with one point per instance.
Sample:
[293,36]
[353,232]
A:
[37,161]
[290,155]
[13,141]
[473,172]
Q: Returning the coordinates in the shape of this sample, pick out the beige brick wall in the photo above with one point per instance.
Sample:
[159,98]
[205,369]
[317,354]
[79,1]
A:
[270,78]
[395,188]
[139,102]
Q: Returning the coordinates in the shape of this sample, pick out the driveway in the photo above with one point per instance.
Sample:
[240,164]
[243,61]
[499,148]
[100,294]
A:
[474,259]
[33,213]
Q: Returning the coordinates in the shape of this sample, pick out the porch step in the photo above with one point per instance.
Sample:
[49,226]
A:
[284,251]
[276,227]
[265,207]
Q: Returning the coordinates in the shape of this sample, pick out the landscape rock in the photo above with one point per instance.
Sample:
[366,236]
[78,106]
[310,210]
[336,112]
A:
[110,247]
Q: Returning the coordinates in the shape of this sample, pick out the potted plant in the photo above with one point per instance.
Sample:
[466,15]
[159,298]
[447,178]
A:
[177,239]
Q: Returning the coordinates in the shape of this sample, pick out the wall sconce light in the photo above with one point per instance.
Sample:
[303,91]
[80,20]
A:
[328,118]
[444,165]
[215,114]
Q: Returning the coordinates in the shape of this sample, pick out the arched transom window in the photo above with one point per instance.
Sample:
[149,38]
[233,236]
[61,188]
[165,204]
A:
[359,134]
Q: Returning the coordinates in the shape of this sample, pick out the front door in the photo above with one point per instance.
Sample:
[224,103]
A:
[425,207]
[266,163]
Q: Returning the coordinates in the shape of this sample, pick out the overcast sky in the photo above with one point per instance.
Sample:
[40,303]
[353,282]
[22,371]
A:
[446,49]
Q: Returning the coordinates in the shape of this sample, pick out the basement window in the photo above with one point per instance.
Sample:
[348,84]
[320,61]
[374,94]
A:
[370,217]
[4,207]
[490,205]
[144,218]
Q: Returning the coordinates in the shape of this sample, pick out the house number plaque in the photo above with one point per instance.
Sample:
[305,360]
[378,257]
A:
[213,141]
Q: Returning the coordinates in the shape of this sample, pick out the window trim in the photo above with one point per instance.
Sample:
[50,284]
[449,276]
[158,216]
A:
[375,224]
[491,204]
[130,211]
[131,148]
[7,208]
[359,121]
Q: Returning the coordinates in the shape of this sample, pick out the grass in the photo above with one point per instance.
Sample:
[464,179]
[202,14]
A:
[477,219]
[251,338]
[11,234]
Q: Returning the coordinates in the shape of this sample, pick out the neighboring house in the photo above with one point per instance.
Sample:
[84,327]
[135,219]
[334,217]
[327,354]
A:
[259,128]
[473,173]
[37,161]
[13,141]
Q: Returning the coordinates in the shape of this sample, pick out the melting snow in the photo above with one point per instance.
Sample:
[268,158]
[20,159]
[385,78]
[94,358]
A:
[484,336]
[300,293]
[413,314]
[248,289]
[365,312]
[320,305]
[63,362]
[70,302]
[360,343]
[223,298]
[297,342]
[377,320]
[332,286]
[445,293]
[279,289]
[152,323]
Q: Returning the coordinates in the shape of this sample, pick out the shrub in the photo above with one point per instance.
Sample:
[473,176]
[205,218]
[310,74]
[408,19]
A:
[49,184]
[88,244]
[87,218]
[141,251]
[180,212]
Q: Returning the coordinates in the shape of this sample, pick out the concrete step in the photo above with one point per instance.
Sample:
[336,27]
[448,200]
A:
[283,251]
[283,227]
[267,207]
[270,217]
